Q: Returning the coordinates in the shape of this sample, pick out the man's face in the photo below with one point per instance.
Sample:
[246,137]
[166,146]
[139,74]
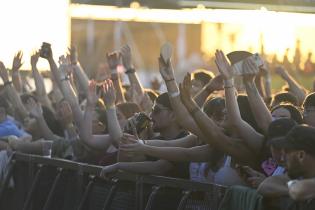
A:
[161,117]
[309,115]
[294,164]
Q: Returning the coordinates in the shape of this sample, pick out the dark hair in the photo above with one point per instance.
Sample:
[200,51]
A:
[246,112]
[309,100]
[164,100]
[152,94]
[128,109]
[280,127]
[26,96]
[294,111]
[214,105]
[285,97]
[202,75]
[52,122]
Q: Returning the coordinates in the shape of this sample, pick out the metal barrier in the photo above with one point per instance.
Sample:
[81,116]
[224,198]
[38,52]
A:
[48,184]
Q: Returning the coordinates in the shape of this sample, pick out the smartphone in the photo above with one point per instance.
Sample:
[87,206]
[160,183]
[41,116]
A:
[45,50]
[237,59]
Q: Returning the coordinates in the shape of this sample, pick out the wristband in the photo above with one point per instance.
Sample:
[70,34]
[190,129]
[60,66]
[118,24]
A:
[229,83]
[7,83]
[169,80]
[65,78]
[175,94]
[130,71]
[291,183]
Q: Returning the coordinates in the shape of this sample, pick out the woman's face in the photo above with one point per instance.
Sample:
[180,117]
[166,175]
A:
[121,118]
[280,113]
[97,126]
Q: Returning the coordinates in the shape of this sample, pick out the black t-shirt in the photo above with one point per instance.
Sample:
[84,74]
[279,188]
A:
[179,169]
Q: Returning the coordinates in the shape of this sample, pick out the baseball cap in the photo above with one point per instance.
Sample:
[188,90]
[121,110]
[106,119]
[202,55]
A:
[300,137]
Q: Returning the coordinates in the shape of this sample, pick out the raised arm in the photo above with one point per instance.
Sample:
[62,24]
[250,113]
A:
[98,142]
[113,60]
[214,84]
[144,101]
[109,97]
[16,77]
[247,133]
[39,83]
[260,110]
[12,93]
[78,71]
[215,136]
[297,89]
[37,112]
[182,115]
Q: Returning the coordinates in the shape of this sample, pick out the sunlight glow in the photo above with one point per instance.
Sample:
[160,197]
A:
[277,30]
[26,24]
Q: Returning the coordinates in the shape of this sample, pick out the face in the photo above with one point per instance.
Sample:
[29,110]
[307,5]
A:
[121,118]
[97,126]
[294,163]
[278,155]
[161,117]
[196,86]
[220,119]
[309,115]
[280,113]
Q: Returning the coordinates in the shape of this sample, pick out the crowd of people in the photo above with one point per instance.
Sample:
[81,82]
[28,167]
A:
[203,128]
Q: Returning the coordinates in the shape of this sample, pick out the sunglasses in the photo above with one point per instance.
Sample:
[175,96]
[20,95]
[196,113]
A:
[156,109]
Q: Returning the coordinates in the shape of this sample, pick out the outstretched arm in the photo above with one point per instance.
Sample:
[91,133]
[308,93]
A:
[113,60]
[260,110]
[78,71]
[12,93]
[16,77]
[114,128]
[297,89]
[252,138]
[39,83]
[214,84]
[142,99]
[182,115]
[198,154]
[159,167]
[215,136]
[98,142]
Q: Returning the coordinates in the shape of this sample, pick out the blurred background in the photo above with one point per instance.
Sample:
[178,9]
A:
[282,31]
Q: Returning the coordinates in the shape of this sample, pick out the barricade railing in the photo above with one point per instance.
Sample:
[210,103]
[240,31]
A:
[36,182]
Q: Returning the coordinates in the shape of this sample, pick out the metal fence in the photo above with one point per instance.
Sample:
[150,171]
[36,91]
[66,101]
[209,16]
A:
[41,183]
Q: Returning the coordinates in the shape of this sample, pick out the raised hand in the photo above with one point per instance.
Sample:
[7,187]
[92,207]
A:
[216,83]
[113,60]
[166,69]
[65,65]
[185,93]
[34,108]
[34,58]
[280,70]
[65,113]
[109,94]
[223,65]
[73,55]
[125,52]
[92,96]
[250,70]
[4,73]
[17,61]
